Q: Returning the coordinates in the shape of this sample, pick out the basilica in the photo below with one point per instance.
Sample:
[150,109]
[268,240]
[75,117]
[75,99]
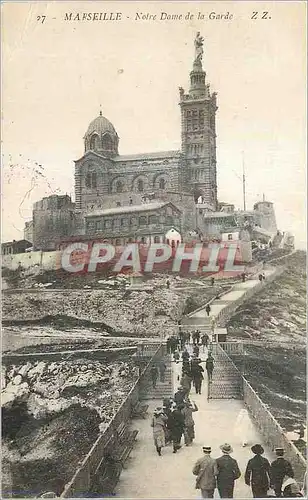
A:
[144,196]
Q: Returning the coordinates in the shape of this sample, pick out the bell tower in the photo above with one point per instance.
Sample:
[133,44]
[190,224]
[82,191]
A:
[198,122]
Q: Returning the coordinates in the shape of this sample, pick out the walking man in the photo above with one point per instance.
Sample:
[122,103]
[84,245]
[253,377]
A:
[196,350]
[185,355]
[154,375]
[162,371]
[197,375]
[204,341]
[179,395]
[257,473]
[208,309]
[209,366]
[177,426]
[206,471]
[279,469]
[198,336]
[228,472]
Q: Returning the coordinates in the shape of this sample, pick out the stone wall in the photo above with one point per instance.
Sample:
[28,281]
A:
[272,432]
[46,261]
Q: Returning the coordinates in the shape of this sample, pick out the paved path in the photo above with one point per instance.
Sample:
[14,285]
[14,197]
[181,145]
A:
[236,293]
[170,476]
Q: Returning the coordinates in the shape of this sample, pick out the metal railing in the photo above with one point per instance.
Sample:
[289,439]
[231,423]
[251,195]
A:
[84,476]
[232,347]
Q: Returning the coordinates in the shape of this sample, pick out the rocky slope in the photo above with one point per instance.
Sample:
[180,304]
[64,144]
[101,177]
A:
[53,412]
[273,326]
[114,310]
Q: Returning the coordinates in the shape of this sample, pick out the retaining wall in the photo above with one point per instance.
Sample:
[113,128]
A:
[272,432]
[267,425]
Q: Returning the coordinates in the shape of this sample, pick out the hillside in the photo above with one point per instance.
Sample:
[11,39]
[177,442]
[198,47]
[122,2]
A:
[273,326]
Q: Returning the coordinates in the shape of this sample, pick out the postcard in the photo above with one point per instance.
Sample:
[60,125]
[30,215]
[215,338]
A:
[153,249]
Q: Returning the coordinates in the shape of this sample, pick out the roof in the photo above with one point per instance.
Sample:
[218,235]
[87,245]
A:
[100,125]
[160,155]
[148,156]
[216,215]
[131,208]
[18,242]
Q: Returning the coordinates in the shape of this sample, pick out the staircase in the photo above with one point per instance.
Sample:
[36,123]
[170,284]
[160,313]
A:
[227,380]
[162,389]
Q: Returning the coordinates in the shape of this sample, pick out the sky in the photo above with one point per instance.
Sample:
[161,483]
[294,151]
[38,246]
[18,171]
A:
[57,73]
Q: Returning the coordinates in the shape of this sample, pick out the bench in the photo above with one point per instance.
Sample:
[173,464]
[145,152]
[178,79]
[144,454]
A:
[107,477]
[115,456]
[140,410]
[125,447]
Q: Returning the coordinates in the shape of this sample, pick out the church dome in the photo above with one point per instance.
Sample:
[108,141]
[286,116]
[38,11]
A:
[100,125]
[101,137]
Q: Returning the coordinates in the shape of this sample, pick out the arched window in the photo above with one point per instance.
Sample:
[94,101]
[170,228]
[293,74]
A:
[118,242]
[140,186]
[142,240]
[119,187]
[173,244]
[107,143]
[169,219]
[156,239]
[229,237]
[91,180]
[94,142]
[162,184]
[153,219]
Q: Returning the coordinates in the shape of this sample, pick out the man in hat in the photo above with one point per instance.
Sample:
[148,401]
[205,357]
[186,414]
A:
[279,469]
[209,366]
[197,376]
[177,423]
[179,395]
[257,473]
[162,370]
[154,375]
[228,472]
[206,471]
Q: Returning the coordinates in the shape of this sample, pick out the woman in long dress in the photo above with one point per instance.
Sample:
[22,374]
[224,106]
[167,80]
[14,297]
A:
[158,423]
[243,428]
